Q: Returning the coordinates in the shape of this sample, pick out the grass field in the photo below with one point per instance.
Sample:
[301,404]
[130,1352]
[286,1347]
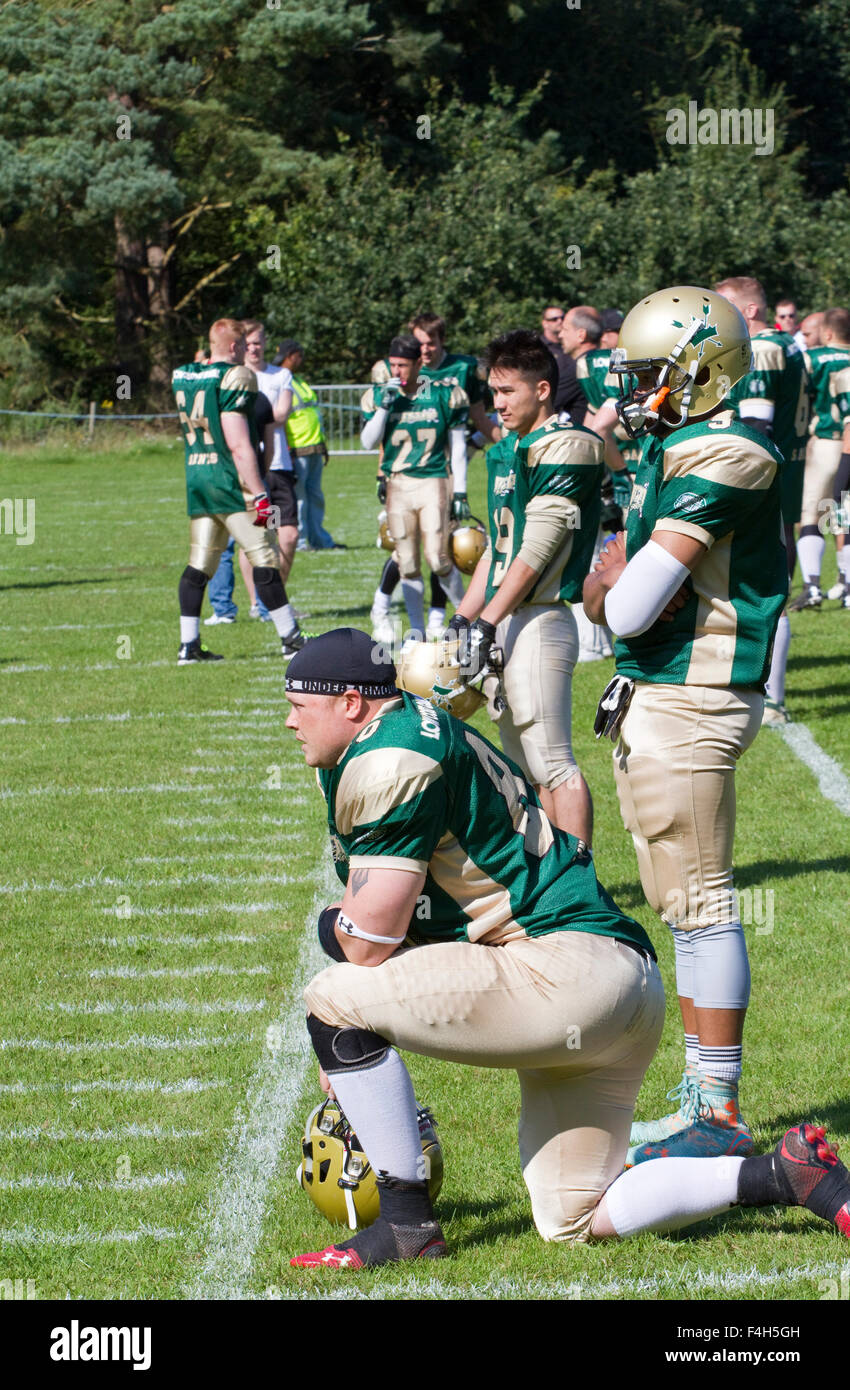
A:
[164,854]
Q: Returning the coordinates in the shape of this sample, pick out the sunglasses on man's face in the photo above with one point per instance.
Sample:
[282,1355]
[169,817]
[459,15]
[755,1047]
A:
[553,318]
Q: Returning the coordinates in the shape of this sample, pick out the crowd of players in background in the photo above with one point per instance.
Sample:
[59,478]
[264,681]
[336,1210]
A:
[798,393]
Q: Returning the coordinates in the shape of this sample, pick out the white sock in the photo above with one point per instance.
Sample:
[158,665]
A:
[810,555]
[843,557]
[691,1049]
[380,1106]
[414,601]
[453,585]
[722,1062]
[668,1193]
[190,629]
[381,602]
[284,620]
[436,615]
[776,679]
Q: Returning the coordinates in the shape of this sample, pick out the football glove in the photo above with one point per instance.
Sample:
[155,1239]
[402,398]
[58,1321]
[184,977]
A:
[264,510]
[460,507]
[479,640]
[381,490]
[390,394]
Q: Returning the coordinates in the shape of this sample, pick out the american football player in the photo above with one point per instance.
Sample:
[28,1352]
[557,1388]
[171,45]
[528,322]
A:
[828,367]
[694,590]
[516,958]
[419,425]
[543,504]
[224,491]
[773,398]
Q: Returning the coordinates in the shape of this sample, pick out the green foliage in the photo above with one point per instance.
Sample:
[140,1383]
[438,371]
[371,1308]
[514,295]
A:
[475,157]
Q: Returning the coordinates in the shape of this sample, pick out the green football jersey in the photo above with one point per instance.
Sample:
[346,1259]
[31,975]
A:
[419,790]
[555,472]
[204,391]
[718,482]
[456,367]
[841,386]
[826,367]
[775,391]
[416,433]
[592,373]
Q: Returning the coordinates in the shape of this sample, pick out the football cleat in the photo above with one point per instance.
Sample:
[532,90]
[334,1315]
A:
[809,597]
[337,1176]
[216,619]
[191,652]
[840,591]
[382,1244]
[775,715]
[813,1175]
[294,642]
[713,1133]
[688,1098]
[679,353]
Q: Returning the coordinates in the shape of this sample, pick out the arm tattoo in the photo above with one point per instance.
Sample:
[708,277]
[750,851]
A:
[359,878]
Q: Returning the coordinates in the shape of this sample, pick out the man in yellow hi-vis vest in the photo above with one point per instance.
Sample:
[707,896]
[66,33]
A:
[309,453]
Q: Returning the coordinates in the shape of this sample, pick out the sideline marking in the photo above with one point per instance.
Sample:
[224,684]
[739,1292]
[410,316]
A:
[831,780]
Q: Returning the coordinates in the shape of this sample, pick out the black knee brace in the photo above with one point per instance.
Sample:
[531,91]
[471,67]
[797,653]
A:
[269,586]
[191,590]
[345,1049]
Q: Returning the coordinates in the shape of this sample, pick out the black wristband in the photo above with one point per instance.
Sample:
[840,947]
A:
[327,935]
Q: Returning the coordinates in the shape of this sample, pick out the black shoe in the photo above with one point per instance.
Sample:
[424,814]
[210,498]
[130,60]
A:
[294,642]
[191,652]
[810,597]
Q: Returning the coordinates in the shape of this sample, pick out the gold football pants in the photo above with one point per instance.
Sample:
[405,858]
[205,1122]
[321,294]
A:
[540,643]
[822,459]
[674,767]
[418,510]
[208,537]
[577,1016]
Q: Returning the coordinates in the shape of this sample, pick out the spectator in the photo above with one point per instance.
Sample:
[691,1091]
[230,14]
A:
[308,450]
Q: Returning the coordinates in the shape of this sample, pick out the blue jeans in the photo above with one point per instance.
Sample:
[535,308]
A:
[311,501]
[220,587]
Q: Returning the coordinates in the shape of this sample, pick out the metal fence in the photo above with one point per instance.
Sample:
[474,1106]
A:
[339,407]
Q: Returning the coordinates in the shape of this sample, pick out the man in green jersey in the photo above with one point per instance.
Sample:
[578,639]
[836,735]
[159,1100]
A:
[694,591]
[543,507]
[827,367]
[773,398]
[474,931]
[224,491]
[419,425]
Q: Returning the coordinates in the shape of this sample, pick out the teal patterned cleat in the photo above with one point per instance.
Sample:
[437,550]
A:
[687,1095]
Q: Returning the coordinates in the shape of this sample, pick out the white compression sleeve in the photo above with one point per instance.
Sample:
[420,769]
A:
[373,431]
[457,440]
[643,590]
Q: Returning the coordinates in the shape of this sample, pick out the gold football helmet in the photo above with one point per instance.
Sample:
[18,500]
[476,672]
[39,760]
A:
[467,544]
[336,1174]
[432,670]
[385,540]
[680,352]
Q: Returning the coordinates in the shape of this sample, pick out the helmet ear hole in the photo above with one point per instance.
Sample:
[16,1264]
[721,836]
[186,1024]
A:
[323,1169]
[702,376]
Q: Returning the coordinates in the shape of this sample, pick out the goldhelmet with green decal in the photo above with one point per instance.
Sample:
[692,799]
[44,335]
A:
[679,353]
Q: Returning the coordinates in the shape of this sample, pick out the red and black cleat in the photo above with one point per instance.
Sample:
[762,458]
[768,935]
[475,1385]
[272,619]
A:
[814,1174]
[380,1244]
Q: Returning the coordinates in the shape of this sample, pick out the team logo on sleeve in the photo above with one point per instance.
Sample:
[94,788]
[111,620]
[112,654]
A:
[339,854]
[689,502]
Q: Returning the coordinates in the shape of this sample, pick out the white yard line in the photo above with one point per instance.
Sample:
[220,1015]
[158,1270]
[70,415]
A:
[151,939]
[831,778]
[190,1085]
[135,1043]
[92,1136]
[66,1182]
[264,1122]
[686,1283]
[191,911]
[132,972]
[159,1006]
[38,1235]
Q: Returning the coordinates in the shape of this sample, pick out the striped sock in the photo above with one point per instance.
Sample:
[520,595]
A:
[691,1050]
[722,1062]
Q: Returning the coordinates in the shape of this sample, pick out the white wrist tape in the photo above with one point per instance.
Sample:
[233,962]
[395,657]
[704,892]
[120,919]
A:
[643,590]
[373,430]
[351,929]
